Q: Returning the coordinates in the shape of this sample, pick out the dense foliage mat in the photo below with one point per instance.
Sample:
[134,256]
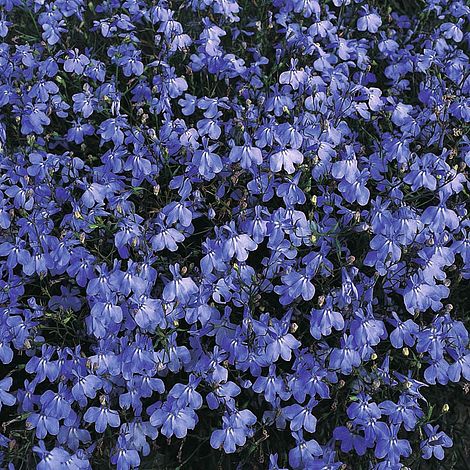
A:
[234,234]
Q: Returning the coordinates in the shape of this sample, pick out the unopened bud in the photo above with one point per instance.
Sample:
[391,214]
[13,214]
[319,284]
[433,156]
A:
[445,408]
[406,352]
[152,134]
[294,327]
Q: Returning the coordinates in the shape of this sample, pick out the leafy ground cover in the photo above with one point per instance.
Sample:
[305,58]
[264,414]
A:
[234,234]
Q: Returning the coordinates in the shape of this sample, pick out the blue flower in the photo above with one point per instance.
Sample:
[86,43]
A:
[103,417]
[125,457]
[229,437]
[435,442]
[392,447]
[303,454]
[174,419]
[6,398]
[324,320]
[76,62]
[346,357]
[285,158]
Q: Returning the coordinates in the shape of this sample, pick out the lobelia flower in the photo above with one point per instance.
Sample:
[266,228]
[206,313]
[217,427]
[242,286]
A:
[208,162]
[390,446]
[404,332]
[279,341]
[435,442]
[293,77]
[173,419]
[303,454]
[236,244]
[324,320]
[102,417]
[285,158]
[356,191]
[71,435]
[229,437]
[75,62]
[406,411]
[350,440]
[246,154]
[125,457]
[6,398]
[273,462]
[43,424]
[369,21]
[50,459]
[346,357]
[180,288]
[301,417]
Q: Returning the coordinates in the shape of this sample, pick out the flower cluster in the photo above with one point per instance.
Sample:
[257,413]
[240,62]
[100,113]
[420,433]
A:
[232,227]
